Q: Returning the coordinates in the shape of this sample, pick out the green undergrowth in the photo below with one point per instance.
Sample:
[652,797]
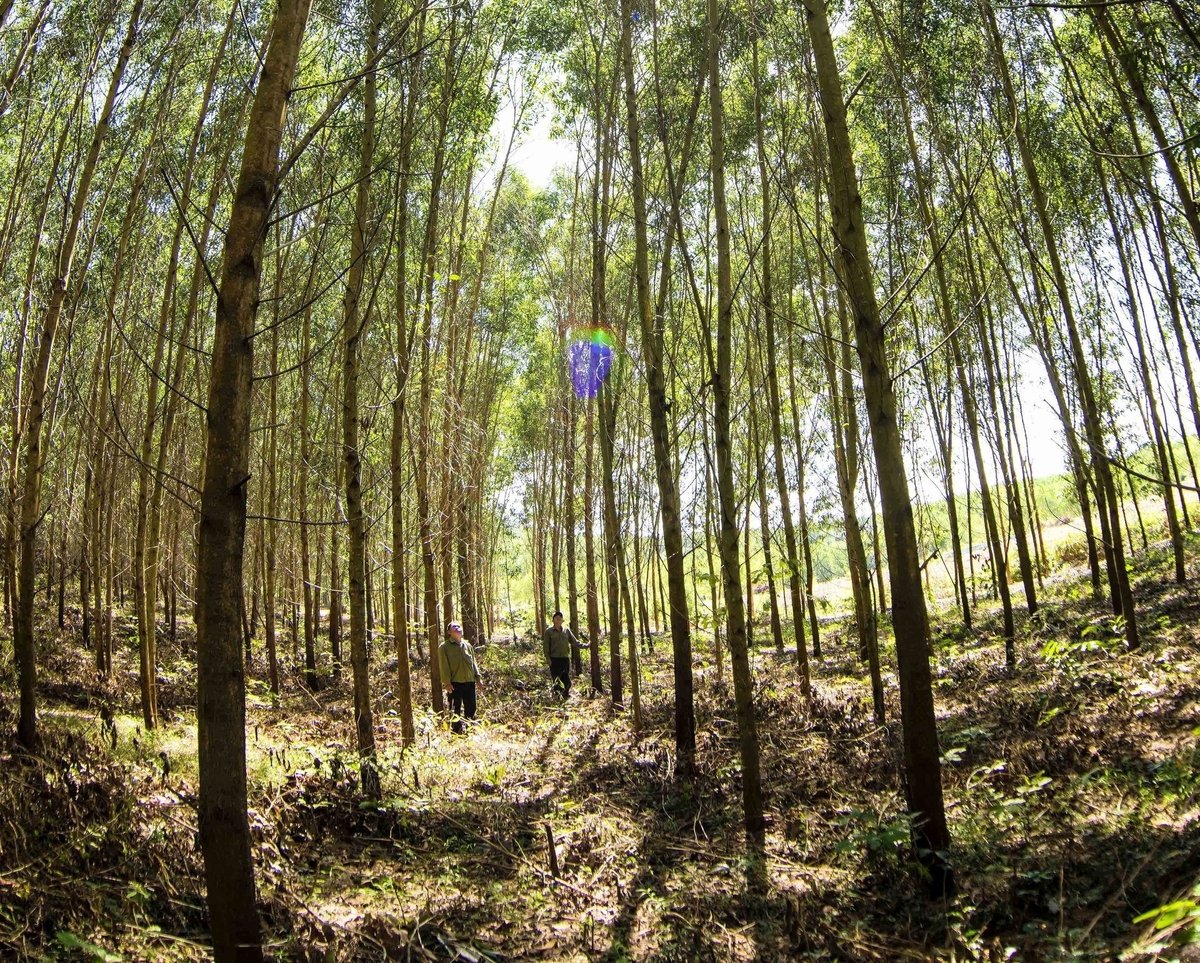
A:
[1071,784]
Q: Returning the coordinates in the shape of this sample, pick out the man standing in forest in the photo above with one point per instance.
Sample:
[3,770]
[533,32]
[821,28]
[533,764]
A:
[460,672]
[557,645]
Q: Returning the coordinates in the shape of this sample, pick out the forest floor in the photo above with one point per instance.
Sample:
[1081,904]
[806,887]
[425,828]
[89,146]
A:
[1072,788]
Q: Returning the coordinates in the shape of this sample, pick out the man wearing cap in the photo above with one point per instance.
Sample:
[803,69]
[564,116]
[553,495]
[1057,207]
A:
[556,643]
[460,672]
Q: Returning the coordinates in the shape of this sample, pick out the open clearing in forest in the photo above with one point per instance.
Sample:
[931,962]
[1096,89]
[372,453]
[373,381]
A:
[1072,790]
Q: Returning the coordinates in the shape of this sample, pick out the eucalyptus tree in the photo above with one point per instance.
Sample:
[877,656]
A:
[31,487]
[721,385]
[602,104]
[772,364]
[922,781]
[1105,117]
[411,75]
[355,321]
[937,245]
[221,703]
[1092,416]
[453,46]
[155,441]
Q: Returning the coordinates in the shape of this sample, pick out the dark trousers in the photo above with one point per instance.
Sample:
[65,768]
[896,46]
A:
[560,672]
[462,704]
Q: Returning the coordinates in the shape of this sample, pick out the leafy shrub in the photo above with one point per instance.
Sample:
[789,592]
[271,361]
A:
[1071,551]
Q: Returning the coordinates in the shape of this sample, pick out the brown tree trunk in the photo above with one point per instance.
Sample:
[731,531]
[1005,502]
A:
[764,528]
[400,615]
[589,553]
[743,683]
[1144,370]
[335,579]
[1093,428]
[356,318]
[268,533]
[570,523]
[31,493]
[614,552]
[221,698]
[922,768]
[774,402]
[424,448]
[312,592]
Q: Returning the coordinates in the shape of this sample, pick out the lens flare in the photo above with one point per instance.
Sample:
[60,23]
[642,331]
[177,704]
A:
[590,357]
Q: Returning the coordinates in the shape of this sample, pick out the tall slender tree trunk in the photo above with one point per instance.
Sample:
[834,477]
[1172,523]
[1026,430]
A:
[710,526]
[774,402]
[589,552]
[221,699]
[570,523]
[268,533]
[335,578]
[764,528]
[400,616]
[424,448]
[1093,427]
[31,493]
[922,768]
[312,592]
[356,318]
[613,543]
[1144,370]
[743,683]
[805,543]
[606,407]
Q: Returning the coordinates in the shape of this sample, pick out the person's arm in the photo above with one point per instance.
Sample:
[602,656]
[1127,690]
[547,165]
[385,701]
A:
[474,662]
[444,666]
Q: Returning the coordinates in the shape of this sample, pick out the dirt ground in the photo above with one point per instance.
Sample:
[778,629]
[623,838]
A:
[1071,785]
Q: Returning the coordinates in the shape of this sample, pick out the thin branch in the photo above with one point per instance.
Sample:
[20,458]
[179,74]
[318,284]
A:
[937,347]
[191,234]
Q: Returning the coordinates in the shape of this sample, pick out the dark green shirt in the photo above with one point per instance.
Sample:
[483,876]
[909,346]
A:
[457,662]
[556,643]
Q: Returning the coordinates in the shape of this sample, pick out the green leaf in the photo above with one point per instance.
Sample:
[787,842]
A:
[1035,783]
[1051,714]
[69,941]
[1170,914]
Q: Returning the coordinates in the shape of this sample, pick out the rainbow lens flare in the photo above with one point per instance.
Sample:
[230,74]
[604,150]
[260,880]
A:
[590,357]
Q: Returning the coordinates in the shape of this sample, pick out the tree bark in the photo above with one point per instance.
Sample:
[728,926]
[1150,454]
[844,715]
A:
[31,494]
[356,319]
[221,698]
[922,775]
[1093,428]
[743,683]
